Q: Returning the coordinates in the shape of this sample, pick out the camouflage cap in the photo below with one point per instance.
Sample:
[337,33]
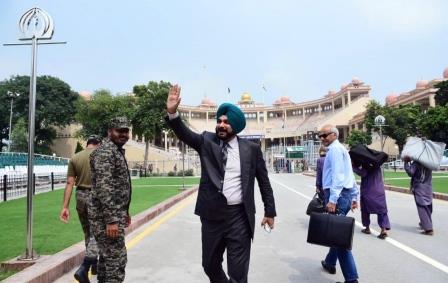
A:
[119,123]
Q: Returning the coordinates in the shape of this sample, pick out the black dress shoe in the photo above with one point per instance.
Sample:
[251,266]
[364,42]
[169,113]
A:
[82,274]
[94,269]
[330,269]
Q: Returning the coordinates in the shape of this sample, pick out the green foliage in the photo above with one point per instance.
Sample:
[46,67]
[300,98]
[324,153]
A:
[148,118]
[434,124]
[401,122]
[78,147]
[171,174]
[358,137]
[188,172]
[19,136]
[94,115]
[54,107]
[441,96]
[373,109]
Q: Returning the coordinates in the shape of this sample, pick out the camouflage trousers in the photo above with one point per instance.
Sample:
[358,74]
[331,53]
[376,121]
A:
[82,202]
[112,260]
[112,252]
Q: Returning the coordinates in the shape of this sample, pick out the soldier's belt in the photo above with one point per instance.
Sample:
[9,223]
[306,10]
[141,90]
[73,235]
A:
[83,188]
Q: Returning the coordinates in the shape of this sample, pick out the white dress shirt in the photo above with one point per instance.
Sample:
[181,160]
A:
[232,174]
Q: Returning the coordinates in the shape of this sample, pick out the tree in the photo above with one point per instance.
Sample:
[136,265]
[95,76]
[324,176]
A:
[373,109]
[19,136]
[441,96]
[401,122]
[55,106]
[358,137]
[148,119]
[434,124]
[94,115]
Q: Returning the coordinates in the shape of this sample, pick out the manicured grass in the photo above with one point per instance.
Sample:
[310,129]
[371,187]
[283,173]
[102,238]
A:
[439,181]
[5,274]
[50,235]
[438,184]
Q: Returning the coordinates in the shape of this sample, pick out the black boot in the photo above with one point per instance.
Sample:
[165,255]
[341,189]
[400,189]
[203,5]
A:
[94,267]
[82,274]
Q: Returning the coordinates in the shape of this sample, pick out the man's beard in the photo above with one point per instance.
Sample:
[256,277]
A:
[228,135]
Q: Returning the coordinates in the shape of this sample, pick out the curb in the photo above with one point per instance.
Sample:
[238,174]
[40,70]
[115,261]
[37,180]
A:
[436,195]
[50,268]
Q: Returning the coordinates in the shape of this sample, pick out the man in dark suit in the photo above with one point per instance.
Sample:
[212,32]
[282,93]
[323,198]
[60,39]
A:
[225,200]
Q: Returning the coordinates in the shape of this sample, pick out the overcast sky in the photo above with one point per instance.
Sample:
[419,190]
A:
[297,48]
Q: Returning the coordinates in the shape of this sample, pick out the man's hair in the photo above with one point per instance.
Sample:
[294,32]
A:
[93,139]
[335,131]
[332,128]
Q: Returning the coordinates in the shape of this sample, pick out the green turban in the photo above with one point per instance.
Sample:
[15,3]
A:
[234,115]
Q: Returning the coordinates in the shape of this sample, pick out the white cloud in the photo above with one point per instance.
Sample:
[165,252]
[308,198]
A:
[402,16]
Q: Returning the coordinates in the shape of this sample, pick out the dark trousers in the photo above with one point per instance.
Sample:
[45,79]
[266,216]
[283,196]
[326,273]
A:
[383,219]
[233,234]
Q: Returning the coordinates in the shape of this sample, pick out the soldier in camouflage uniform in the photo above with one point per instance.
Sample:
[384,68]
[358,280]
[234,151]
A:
[109,202]
[79,173]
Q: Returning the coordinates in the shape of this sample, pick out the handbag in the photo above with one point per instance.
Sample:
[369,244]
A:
[367,157]
[331,230]
[315,205]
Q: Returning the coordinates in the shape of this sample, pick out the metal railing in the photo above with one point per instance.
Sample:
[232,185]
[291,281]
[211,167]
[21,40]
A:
[14,186]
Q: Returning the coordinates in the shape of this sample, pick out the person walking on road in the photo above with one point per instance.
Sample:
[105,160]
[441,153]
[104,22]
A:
[110,200]
[225,201]
[319,170]
[78,174]
[421,187]
[373,199]
[341,195]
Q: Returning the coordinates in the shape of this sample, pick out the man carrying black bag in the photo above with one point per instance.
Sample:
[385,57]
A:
[341,195]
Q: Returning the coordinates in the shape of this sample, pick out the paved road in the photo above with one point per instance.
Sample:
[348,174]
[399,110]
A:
[168,248]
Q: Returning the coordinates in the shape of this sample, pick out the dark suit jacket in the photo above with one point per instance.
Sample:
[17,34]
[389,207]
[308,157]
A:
[211,203]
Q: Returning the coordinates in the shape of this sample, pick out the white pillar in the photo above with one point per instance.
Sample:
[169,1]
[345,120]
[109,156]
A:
[166,140]
[432,101]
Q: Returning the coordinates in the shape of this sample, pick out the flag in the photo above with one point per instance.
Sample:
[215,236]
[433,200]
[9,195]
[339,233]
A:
[228,90]
[264,88]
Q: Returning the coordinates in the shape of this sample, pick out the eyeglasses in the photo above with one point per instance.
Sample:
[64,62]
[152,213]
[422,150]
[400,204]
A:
[324,136]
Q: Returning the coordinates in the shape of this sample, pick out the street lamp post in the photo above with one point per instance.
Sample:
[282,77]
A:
[380,122]
[11,95]
[37,28]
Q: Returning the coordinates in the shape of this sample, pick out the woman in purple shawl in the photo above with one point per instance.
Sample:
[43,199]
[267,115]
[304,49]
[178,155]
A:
[319,170]
[373,199]
[421,187]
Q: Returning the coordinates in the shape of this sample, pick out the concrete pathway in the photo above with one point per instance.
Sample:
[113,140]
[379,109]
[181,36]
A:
[168,249]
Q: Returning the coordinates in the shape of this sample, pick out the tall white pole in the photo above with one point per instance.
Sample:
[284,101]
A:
[31,133]
[10,125]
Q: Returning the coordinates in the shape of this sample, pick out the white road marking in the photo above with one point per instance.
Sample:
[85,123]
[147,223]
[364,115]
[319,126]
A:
[391,241]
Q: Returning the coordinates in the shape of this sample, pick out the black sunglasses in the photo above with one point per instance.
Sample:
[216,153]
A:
[324,136]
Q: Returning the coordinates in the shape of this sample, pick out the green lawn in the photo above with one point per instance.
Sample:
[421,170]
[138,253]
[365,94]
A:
[50,235]
[439,181]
